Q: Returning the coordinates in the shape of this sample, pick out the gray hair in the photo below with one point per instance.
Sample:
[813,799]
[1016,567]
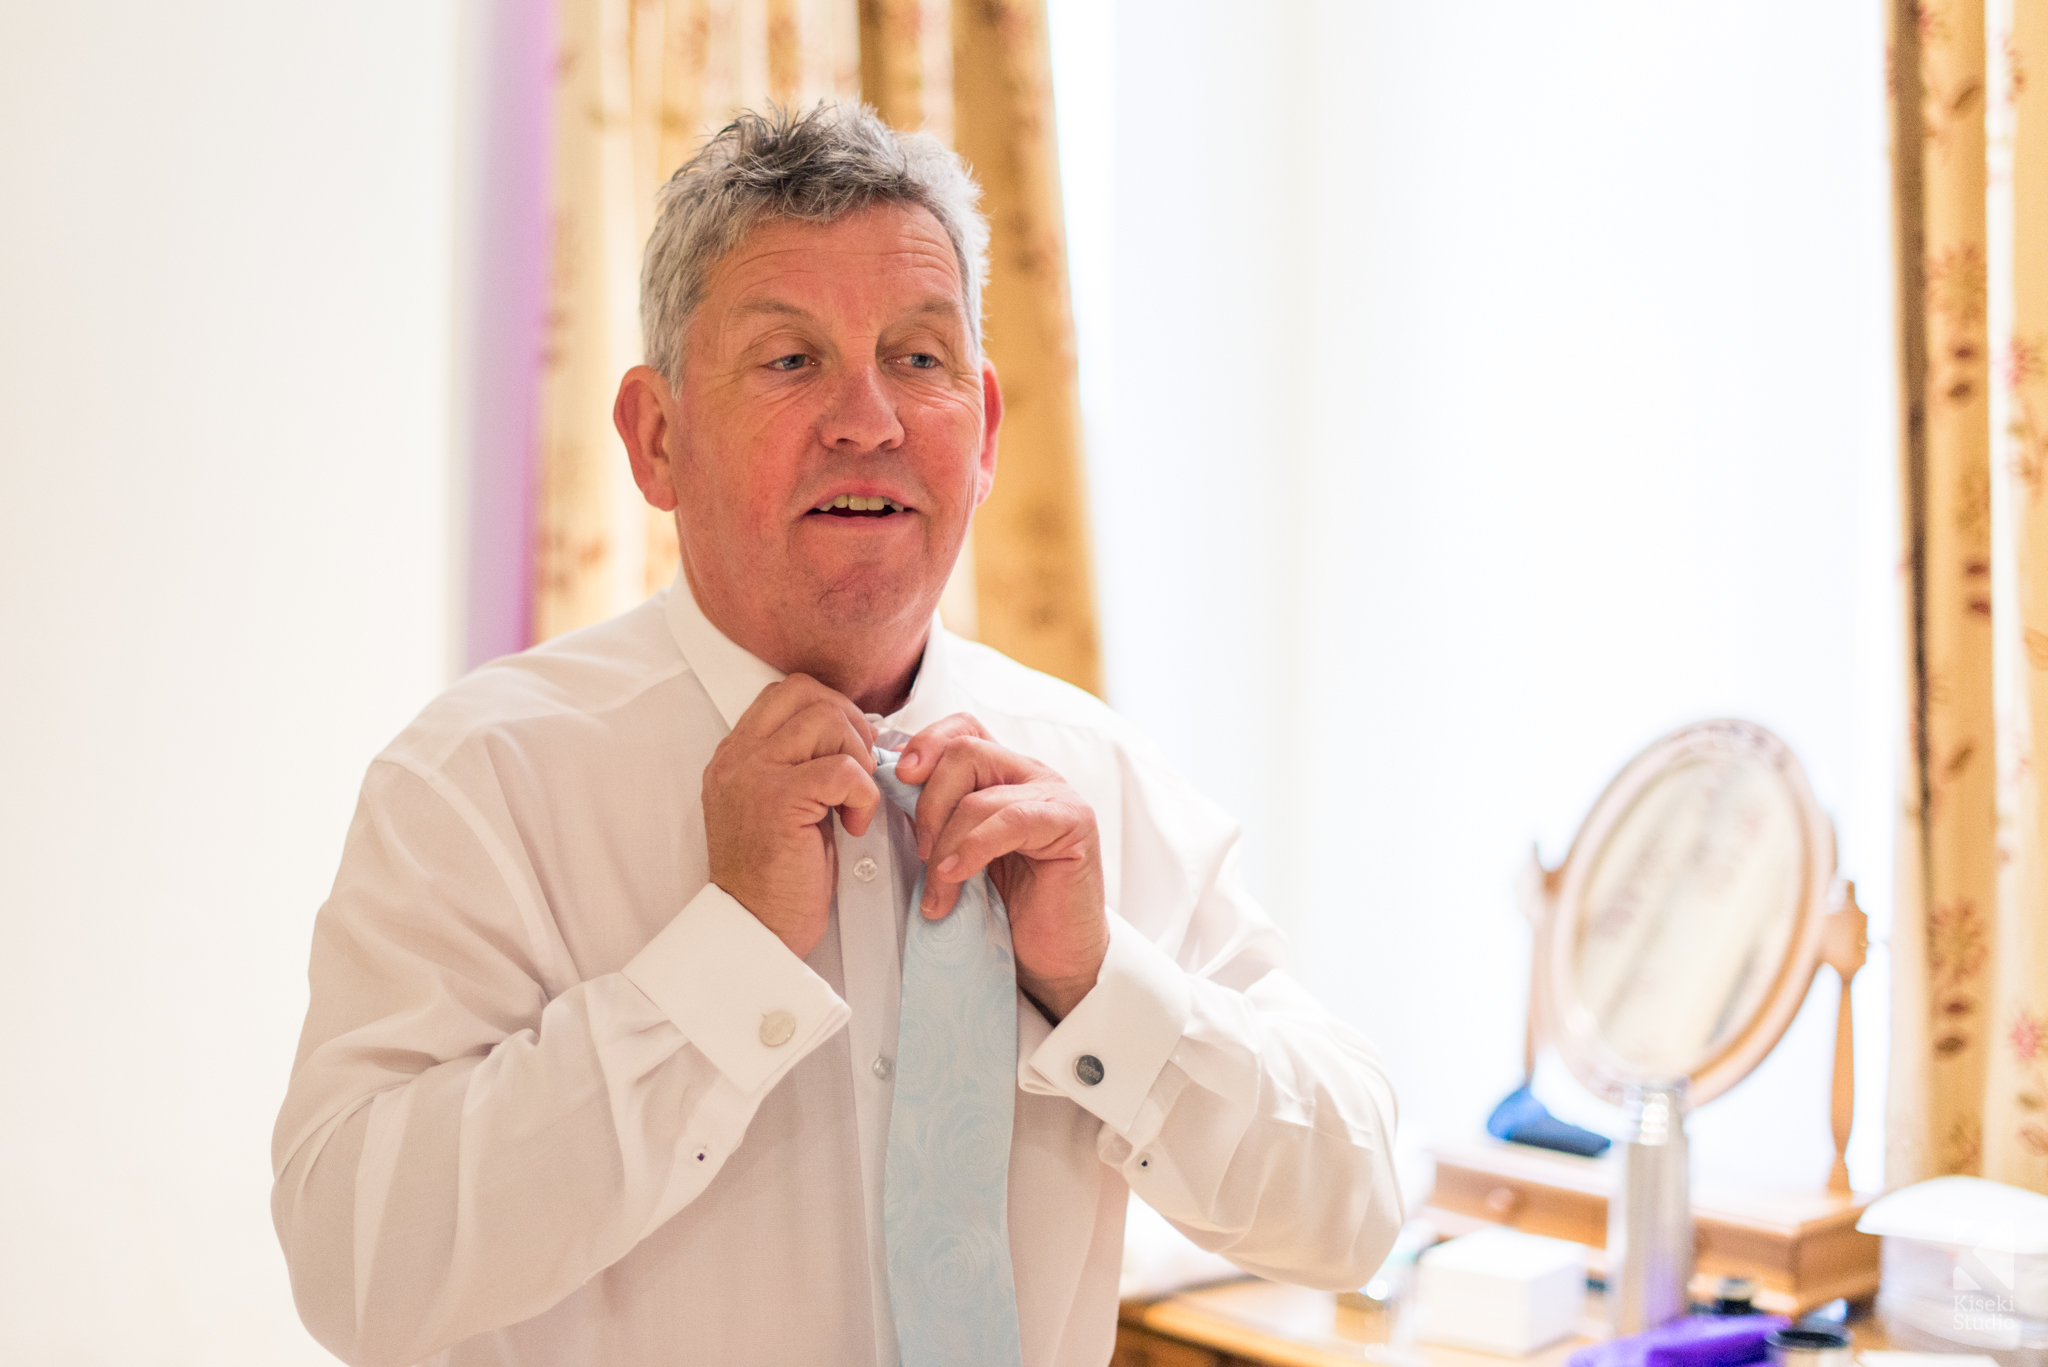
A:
[814,167]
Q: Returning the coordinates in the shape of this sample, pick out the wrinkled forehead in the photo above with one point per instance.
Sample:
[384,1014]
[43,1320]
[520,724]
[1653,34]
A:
[889,255]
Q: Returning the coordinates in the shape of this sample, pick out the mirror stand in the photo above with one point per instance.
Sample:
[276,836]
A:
[1679,938]
[1845,939]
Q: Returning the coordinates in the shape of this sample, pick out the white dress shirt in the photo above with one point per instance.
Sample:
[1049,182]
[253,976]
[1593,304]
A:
[561,1100]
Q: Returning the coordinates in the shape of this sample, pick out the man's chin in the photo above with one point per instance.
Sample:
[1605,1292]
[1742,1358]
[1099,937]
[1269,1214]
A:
[864,602]
[870,594]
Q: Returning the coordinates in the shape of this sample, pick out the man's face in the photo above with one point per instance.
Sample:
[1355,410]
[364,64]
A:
[832,434]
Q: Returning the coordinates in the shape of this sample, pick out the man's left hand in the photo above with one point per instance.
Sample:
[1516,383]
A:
[984,807]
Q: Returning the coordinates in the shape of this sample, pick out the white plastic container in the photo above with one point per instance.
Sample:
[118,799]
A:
[1965,1263]
[1501,1291]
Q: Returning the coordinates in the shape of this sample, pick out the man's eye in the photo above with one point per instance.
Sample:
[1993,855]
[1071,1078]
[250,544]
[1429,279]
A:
[922,360]
[795,361]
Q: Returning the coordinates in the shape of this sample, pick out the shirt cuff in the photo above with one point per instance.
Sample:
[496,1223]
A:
[735,990]
[1109,1050]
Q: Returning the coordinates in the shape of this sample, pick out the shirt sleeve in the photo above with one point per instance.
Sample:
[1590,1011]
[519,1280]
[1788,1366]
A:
[460,1148]
[1230,1100]
[1109,1051]
[735,991]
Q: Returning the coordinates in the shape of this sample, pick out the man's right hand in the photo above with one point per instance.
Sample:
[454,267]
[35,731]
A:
[800,753]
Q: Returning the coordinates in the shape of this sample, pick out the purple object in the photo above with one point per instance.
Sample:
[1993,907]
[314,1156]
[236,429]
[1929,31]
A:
[1693,1341]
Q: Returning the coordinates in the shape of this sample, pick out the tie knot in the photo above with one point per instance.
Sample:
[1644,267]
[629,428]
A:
[903,794]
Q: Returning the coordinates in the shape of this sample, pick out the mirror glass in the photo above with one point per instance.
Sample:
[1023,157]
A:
[1691,905]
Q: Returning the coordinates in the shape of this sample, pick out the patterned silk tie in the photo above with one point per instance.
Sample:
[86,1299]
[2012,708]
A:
[945,1195]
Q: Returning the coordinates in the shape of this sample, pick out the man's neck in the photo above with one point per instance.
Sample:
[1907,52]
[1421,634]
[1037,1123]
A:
[878,682]
[875,668]
[885,696]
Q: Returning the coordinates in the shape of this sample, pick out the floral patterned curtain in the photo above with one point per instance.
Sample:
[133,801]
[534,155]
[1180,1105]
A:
[641,83]
[1969,1086]
[1034,581]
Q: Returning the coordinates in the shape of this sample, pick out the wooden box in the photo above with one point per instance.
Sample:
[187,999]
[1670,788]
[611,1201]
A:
[1801,1248]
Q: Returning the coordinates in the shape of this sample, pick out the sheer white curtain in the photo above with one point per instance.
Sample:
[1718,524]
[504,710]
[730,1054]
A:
[1476,393]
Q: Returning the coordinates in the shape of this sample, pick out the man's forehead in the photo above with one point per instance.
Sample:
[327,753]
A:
[769,302]
[885,238]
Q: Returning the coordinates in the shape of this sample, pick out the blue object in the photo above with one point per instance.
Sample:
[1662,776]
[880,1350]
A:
[1692,1341]
[945,1189]
[1523,1119]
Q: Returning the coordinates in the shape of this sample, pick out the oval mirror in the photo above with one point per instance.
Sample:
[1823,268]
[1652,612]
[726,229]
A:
[1686,923]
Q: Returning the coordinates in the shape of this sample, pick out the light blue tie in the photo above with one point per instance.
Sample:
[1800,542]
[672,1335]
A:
[945,1193]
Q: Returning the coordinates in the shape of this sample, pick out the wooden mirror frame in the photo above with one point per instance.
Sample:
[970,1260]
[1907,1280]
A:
[1829,928]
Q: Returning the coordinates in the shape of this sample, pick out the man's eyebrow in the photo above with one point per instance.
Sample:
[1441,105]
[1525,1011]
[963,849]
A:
[948,305]
[764,307]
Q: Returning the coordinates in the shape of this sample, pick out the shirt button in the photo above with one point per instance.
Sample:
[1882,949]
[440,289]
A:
[777,1029]
[865,870]
[884,1067]
[1088,1068]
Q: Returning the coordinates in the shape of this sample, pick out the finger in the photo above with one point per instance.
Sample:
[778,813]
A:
[990,824]
[926,746]
[832,783]
[778,702]
[967,765]
[856,817]
[948,872]
[1039,821]
[819,729]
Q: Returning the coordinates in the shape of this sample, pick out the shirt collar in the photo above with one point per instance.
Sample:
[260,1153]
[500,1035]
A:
[734,677]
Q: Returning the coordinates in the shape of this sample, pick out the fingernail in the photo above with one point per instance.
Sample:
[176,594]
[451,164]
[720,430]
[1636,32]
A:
[924,847]
[948,864]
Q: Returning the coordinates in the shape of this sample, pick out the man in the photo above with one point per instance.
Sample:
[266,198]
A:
[610,995]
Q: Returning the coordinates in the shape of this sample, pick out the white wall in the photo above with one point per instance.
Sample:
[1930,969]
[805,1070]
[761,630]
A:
[1491,389]
[225,576]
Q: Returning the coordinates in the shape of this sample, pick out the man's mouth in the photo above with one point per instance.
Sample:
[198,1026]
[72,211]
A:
[857,505]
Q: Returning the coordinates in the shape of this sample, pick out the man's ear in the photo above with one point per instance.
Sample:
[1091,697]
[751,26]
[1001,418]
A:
[641,413]
[991,419]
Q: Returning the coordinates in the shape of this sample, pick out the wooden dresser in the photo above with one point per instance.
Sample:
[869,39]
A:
[1263,1324]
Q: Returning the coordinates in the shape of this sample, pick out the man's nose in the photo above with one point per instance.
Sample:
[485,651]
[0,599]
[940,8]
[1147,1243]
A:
[862,413]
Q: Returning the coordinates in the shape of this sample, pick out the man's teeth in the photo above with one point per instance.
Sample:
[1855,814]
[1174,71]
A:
[860,504]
